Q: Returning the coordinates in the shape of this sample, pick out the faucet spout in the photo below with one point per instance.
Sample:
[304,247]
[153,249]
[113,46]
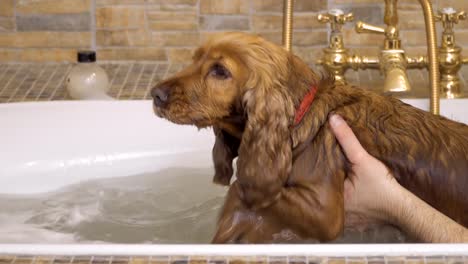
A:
[394,68]
[396,81]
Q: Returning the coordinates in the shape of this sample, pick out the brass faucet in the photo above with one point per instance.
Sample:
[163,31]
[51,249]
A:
[450,56]
[392,60]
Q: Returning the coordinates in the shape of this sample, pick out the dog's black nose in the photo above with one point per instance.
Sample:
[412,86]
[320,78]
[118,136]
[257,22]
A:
[160,95]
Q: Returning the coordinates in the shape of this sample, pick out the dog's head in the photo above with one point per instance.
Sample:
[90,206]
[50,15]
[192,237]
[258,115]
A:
[240,77]
[221,80]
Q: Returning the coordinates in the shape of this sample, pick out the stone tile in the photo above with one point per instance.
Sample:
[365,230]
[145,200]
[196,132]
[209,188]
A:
[119,2]
[7,8]
[273,36]
[227,7]
[308,54]
[454,260]
[206,35]
[46,39]
[101,260]
[316,260]
[376,259]
[42,84]
[239,261]
[414,260]
[395,260]
[180,55]
[46,55]
[57,259]
[198,260]
[224,23]
[310,38]
[172,16]
[298,260]
[159,260]
[52,6]
[120,17]
[307,21]
[173,5]
[42,259]
[258,260]
[413,38]
[6,259]
[173,25]
[117,82]
[123,37]
[461,37]
[356,260]
[435,259]
[277,260]
[174,68]
[357,1]
[365,50]
[409,5]
[144,54]
[174,2]
[299,5]
[310,6]
[266,22]
[57,91]
[166,39]
[56,22]
[139,260]
[25,259]
[336,260]
[127,90]
[178,260]
[411,20]
[372,14]
[7,24]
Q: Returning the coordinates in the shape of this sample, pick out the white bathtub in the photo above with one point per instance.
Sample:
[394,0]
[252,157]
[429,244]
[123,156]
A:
[47,146]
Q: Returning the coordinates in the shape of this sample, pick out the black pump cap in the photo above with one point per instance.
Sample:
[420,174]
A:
[86,56]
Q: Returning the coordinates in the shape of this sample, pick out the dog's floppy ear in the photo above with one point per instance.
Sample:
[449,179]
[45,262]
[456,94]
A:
[265,153]
[224,152]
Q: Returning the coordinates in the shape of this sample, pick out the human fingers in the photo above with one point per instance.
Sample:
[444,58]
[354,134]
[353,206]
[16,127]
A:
[348,141]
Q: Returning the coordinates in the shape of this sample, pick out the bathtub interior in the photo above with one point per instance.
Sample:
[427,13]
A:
[111,172]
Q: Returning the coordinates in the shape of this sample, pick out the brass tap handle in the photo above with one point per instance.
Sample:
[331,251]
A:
[337,18]
[362,27]
[449,16]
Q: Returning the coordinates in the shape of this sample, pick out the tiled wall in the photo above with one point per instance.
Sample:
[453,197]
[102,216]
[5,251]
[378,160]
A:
[168,30]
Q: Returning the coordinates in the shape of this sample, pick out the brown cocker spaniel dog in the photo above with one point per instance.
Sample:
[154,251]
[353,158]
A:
[290,168]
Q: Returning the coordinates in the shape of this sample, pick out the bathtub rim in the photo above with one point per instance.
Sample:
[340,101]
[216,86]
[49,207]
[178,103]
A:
[347,250]
[320,250]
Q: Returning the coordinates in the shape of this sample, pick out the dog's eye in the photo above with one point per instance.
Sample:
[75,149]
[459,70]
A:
[219,71]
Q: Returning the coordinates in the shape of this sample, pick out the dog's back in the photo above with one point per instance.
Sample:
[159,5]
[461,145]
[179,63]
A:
[427,154]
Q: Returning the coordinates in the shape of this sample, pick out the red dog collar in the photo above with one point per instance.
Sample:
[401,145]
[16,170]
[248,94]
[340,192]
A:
[305,105]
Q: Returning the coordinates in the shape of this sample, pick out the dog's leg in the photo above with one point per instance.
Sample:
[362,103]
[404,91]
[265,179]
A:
[310,206]
[302,213]
[238,224]
[224,152]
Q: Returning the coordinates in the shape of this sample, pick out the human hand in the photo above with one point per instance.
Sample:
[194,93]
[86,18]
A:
[371,191]
[368,189]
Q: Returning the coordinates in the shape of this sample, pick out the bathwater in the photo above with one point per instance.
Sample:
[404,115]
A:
[172,206]
[177,205]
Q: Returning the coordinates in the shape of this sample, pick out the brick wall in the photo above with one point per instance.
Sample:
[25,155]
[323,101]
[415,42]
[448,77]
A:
[168,30]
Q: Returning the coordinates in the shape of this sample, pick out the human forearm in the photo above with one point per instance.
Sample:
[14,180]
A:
[420,220]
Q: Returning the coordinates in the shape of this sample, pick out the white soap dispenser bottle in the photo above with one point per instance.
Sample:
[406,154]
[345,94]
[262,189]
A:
[87,80]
